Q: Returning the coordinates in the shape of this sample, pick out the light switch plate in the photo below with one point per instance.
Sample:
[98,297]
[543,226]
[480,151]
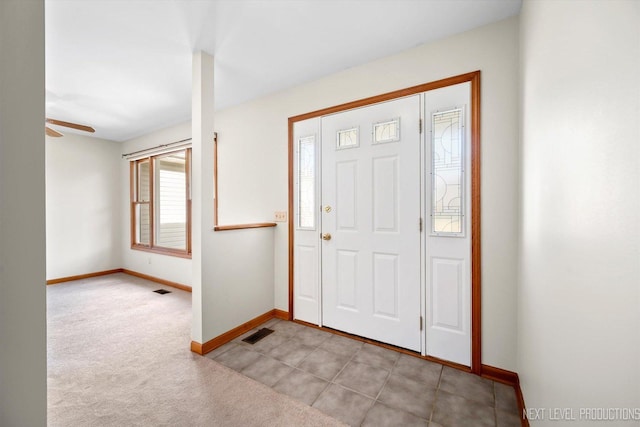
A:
[281,216]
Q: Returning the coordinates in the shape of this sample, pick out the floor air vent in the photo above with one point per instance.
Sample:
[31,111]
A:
[162,291]
[254,338]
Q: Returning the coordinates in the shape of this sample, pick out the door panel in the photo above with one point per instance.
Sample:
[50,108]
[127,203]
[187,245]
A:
[347,280]
[385,194]
[448,237]
[447,293]
[307,260]
[385,286]
[306,250]
[371,264]
[347,194]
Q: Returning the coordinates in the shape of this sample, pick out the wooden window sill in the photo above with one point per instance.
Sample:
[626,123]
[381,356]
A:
[161,251]
[244,226]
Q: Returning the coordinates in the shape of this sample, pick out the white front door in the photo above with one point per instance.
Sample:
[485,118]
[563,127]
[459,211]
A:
[370,222]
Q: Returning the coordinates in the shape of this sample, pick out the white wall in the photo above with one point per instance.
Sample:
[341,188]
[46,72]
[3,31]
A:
[253,157]
[23,369]
[237,278]
[165,267]
[579,295]
[232,270]
[83,205]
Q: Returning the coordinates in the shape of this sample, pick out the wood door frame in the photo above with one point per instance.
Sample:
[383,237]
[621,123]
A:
[476,295]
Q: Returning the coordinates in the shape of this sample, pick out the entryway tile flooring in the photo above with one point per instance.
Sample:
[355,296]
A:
[366,385]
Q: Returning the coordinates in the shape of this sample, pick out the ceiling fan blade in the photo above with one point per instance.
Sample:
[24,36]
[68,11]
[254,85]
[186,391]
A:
[51,132]
[71,125]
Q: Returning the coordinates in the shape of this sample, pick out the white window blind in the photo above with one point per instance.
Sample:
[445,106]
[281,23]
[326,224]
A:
[171,194]
[161,203]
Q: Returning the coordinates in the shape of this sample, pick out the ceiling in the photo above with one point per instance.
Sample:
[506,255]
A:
[124,67]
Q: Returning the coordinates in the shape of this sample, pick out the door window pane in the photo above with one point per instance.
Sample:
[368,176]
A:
[306,182]
[347,138]
[447,154]
[388,131]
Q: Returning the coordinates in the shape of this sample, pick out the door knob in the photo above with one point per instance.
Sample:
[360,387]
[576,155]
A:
[326,236]
[327,209]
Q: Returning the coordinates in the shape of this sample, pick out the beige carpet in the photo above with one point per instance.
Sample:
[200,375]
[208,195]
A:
[118,355]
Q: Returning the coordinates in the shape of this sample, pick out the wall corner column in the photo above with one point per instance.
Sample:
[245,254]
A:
[202,110]
[23,305]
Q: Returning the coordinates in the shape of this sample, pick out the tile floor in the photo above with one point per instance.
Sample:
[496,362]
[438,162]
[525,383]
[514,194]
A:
[365,385]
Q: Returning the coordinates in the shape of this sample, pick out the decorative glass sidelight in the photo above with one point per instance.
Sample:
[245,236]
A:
[447,177]
[307,182]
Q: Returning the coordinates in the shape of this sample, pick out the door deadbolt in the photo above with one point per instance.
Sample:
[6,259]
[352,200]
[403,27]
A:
[326,236]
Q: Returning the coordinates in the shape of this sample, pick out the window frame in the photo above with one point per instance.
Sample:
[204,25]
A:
[134,180]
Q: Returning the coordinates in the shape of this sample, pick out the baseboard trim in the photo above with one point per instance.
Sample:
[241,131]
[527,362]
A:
[120,270]
[500,375]
[281,314]
[521,407]
[196,347]
[83,276]
[157,280]
[509,378]
[228,336]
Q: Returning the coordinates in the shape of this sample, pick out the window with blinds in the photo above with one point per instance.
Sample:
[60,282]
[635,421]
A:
[161,203]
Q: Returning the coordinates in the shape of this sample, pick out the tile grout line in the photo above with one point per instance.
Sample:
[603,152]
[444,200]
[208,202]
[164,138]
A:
[305,357]
[296,367]
[435,395]
[293,368]
[329,382]
[344,366]
[280,361]
[375,400]
[387,379]
[316,348]
[495,404]
[262,352]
